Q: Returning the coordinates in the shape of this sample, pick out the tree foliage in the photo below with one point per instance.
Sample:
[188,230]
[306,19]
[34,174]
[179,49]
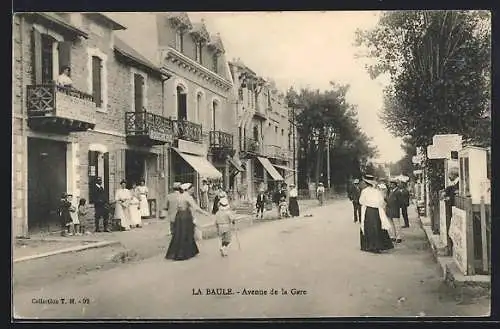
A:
[316,112]
[439,65]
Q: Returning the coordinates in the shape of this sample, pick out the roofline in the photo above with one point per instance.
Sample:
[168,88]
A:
[114,24]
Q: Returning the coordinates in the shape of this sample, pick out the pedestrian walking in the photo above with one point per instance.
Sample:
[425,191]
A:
[171,204]
[142,193]
[204,195]
[320,193]
[260,203]
[135,207]
[353,193]
[392,210]
[182,243]
[224,222]
[404,202]
[374,224]
[122,201]
[293,205]
[101,206]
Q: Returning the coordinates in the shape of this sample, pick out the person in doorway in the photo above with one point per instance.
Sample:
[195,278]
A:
[392,210]
[204,195]
[404,202]
[320,192]
[224,222]
[142,192]
[63,212]
[260,203]
[171,205]
[182,243]
[101,206]
[122,202]
[64,80]
[293,205]
[374,225]
[135,207]
[353,193]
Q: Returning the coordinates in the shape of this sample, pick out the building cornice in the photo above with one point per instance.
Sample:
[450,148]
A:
[173,56]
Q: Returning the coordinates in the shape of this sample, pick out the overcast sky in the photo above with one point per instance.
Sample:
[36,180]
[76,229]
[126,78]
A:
[308,49]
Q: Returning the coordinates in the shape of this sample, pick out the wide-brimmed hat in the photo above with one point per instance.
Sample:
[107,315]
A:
[176,185]
[123,182]
[186,186]
[370,179]
[222,195]
[224,202]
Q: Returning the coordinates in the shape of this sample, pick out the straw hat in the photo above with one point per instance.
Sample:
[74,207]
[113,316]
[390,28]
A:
[370,179]
[176,185]
[224,202]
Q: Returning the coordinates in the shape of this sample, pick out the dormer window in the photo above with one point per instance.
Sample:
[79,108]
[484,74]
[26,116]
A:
[199,49]
[179,40]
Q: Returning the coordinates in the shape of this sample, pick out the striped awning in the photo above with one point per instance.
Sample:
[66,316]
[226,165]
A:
[270,169]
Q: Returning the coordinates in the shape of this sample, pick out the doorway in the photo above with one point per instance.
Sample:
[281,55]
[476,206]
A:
[47,180]
[135,166]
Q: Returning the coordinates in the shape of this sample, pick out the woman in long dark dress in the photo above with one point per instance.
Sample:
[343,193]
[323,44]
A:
[293,205]
[374,236]
[182,244]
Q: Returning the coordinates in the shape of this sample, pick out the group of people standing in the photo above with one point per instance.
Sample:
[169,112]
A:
[131,205]
[284,198]
[377,207]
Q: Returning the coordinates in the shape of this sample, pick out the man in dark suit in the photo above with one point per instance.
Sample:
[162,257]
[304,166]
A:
[101,206]
[404,202]
[353,194]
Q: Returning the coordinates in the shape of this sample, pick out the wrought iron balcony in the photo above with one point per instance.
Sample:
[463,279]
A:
[148,128]
[188,131]
[249,145]
[59,109]
[220,140]
[273,151]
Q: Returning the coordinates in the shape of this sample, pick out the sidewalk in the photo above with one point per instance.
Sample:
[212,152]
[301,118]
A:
[480,284]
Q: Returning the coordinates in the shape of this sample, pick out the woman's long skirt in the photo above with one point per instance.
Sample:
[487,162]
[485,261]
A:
[293,207]
[123,214]
[135,214]
[375,239]
[144,206]
[182,245]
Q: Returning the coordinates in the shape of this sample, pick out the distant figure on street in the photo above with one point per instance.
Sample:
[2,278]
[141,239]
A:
[122,202]
[320,193]
[182,243]
[224,221]
[64,80]
[101,206]
[283,208]
[171,205]
[374,226]
[260,203]
[392,210]
[204,195]
[353,193]
[404,202]
[142,193]
[293,205]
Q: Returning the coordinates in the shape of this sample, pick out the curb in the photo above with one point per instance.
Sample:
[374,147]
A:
[451,273]
[68,250]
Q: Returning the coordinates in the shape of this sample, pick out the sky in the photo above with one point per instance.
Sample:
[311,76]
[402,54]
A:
[303,49]
[309,49]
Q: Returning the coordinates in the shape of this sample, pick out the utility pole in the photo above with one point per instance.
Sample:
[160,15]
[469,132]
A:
[294,157]
[328,162]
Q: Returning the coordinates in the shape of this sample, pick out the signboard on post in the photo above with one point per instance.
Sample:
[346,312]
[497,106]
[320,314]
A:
[458,234]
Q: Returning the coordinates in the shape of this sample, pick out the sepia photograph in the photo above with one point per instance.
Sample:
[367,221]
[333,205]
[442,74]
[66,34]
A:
[251,165]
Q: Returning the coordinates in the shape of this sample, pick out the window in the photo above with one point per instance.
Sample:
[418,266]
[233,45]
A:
[97,80]
[198,107]
[50,54]
[139,93]
[215,63]
[214,113]
[181,104]
[282,132]
[179,40]
[198,49]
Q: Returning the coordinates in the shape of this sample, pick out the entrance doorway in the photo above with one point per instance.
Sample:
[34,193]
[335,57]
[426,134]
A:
[46,182]
[135,166]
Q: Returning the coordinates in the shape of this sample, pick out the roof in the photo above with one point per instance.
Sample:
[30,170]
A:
[52,18]
[123,48]
[107,20]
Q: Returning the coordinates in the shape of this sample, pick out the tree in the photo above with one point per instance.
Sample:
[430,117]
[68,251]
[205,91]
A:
[439,65]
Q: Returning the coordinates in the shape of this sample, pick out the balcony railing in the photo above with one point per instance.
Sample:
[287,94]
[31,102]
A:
[250,145]
[54,106]
[220,139]
[274,151]
[187,130]
[148,128]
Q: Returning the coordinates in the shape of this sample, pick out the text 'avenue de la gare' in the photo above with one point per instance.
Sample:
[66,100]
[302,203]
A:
[247,292]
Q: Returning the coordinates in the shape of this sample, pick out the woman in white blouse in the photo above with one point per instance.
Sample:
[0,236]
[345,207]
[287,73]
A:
[374,236]
[122,202]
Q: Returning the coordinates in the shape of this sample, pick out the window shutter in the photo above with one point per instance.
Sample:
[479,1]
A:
[36,42]
[64,54]
[96,80]
[93,173]
[138,92]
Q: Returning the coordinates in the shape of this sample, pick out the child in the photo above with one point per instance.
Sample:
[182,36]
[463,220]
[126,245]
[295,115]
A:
[224,221]
[82,215]
[283,206]
[63,212]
